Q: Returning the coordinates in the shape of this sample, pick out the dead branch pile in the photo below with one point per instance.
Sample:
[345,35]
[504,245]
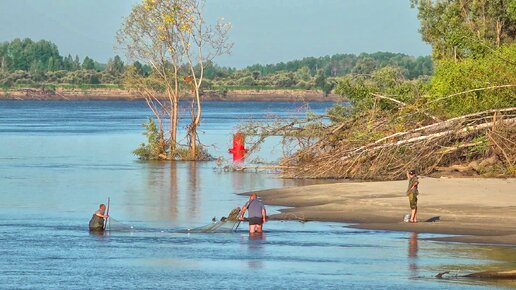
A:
[483,142]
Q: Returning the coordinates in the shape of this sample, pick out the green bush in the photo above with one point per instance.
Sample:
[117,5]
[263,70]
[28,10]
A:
[246,81]
[155,147]
[453,77]
[388,81]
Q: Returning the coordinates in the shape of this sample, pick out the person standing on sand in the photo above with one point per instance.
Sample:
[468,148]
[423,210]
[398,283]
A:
[412,193]
[257,214]
[97,220]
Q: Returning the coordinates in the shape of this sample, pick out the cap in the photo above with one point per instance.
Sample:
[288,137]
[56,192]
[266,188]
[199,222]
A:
[412,172]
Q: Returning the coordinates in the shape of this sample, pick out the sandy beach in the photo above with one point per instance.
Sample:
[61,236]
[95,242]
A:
[475,210]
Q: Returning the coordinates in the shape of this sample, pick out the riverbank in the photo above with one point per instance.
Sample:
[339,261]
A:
[473,210]
[101,94]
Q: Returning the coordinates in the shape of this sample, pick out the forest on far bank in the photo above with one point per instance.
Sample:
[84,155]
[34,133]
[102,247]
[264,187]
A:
[27,63]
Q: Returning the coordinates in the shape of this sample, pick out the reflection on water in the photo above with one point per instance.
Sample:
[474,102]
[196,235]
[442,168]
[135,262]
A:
[412,255]
[173,190]
[99,234]
[256,250]
[194,202]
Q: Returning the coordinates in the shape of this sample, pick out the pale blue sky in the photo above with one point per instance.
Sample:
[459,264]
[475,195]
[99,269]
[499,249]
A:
[264,31]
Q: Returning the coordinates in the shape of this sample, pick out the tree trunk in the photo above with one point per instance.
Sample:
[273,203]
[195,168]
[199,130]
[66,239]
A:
[173,130]
[174,114]
[195,123]
[498,32]
[193,140]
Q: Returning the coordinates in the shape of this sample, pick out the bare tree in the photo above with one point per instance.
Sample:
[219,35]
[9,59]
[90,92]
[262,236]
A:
[201,43]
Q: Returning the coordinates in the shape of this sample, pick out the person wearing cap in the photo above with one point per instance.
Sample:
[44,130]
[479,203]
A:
[412,193]
[256,214]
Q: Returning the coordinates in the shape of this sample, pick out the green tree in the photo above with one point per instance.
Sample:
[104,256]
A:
[153,149]
[459,29]
[76,63]
[474,84]
[256,75]
[386,81]
[68,63]
[52,64]
[88,64]
[303,74]
[320,79]
[115,66]
[364,65]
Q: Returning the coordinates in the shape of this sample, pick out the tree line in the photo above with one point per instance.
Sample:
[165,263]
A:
[318,73]
[24,62]
[32,63]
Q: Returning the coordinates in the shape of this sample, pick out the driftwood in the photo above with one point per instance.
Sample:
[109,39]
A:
[486,275]
[431,147]
[402,104]
[237,167]
[472,91]
[257,167]
[493,275]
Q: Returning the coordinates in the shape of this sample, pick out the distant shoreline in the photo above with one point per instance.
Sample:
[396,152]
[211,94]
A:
[102,94]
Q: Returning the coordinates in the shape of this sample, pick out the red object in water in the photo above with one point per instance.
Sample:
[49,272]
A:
[238,149]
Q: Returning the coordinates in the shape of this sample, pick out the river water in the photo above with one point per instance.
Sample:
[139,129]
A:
[59,160]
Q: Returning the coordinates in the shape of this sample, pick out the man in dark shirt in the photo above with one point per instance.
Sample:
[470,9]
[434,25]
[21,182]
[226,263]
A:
[97,220]
[257,214]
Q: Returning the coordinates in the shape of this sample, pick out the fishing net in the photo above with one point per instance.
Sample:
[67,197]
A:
[114,225]
[224,225]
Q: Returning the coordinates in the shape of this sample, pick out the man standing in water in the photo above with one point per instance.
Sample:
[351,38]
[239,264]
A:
[97,220]
[257,214]
[412,193]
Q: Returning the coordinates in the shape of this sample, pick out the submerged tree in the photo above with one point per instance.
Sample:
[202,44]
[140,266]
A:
[173,37]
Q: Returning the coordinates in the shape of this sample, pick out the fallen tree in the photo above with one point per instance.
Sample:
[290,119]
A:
[482,143]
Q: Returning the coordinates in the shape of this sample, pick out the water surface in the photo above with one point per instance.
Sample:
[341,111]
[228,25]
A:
[59,160]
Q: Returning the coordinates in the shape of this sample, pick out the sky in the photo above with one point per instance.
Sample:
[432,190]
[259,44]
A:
[263,31]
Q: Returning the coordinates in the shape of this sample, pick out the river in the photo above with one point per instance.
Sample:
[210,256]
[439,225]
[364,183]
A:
[60,159]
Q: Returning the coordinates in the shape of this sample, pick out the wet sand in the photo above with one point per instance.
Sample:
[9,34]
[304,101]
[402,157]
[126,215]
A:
[475,210]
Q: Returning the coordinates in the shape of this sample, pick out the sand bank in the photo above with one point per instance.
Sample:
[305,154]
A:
[479,210]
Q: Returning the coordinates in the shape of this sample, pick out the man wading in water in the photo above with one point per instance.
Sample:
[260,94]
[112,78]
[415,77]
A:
[97,220]
[257,214]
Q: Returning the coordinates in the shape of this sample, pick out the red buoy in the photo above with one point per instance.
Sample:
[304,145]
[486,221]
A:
[238,149]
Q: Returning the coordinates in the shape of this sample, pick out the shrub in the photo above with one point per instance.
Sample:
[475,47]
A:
[452,77]
[155,147]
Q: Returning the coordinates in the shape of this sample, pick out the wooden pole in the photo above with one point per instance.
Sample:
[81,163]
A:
[107,213]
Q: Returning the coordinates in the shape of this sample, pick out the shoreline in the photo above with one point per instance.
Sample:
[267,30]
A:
[102,94]
[471,210]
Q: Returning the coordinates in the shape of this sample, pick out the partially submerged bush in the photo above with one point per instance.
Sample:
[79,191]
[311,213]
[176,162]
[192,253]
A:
[155,148]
